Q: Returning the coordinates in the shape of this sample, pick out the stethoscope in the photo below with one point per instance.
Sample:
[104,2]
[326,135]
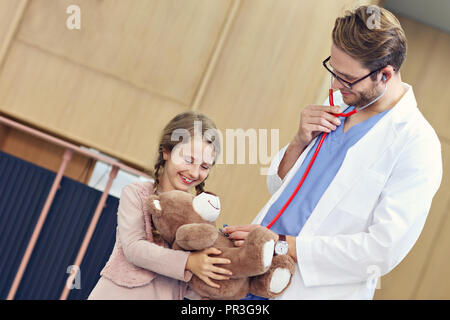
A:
[345,115]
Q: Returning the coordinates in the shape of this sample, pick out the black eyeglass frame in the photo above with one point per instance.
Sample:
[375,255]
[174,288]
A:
[346,83]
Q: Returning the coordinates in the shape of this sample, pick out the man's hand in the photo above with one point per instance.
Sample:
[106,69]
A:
[239,233]
[314,119]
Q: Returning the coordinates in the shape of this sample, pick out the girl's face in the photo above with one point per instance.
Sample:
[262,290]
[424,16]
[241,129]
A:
[187,165]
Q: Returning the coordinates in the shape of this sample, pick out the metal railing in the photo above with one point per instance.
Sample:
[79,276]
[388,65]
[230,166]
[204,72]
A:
[69,150]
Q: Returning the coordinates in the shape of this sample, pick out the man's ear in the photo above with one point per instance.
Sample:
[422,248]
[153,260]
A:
[154,205]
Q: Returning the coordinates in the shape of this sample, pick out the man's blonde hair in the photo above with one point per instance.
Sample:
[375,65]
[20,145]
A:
[373,36]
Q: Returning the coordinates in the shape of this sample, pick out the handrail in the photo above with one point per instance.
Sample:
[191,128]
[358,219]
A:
[65,144]
[69,149]
[39,225]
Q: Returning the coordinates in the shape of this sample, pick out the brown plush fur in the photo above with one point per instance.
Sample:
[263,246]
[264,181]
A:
[259,285]
[180,225]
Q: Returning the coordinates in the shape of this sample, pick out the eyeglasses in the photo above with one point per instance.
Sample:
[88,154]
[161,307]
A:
[346,83]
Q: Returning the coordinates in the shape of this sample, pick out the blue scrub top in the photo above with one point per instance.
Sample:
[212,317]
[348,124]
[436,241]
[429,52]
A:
[322,172]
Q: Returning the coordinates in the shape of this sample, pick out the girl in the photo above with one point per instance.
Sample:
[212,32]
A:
[148,269]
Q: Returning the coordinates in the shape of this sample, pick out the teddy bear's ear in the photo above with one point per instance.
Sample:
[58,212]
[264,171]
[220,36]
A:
[154,205]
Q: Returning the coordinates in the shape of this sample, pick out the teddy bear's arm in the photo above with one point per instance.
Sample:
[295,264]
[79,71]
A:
[196,236]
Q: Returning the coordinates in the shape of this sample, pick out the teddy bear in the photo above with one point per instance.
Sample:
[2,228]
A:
[187,222]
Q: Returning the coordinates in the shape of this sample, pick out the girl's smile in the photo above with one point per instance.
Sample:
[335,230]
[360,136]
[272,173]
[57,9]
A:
[186,180]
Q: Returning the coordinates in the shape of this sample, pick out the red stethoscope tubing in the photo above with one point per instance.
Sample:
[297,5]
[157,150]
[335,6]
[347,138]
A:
[310,163]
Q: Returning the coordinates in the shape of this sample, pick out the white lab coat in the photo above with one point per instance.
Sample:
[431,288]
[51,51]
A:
[373,211]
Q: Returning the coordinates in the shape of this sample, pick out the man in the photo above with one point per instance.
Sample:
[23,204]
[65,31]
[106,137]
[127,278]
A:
[366,198]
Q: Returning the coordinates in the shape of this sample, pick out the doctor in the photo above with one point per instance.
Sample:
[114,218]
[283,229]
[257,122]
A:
[365,201]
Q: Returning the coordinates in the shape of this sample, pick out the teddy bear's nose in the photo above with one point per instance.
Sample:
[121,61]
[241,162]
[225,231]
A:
[214,202]
[207,206]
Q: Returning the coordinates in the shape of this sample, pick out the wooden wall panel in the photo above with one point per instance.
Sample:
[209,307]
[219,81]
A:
[269,70]
[162,46]
[428,68]
[8,10]
[83,105]
[46,155]
[4,132]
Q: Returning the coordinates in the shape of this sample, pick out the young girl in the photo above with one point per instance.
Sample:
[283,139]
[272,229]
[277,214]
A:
[148,269]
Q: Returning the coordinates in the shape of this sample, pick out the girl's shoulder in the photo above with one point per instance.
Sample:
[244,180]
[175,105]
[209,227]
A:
[143,188]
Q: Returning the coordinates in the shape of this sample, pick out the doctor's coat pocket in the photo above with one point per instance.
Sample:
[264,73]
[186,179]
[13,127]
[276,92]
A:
[363,196]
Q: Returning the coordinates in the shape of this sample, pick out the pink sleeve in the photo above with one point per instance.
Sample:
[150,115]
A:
[137,249]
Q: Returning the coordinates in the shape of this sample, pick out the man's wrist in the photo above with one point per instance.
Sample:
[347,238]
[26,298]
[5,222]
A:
[293,151]
[298,144]
[281,246]
[292,247]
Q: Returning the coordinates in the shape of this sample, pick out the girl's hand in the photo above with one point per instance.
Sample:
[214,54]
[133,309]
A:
[203,266]
[239,233]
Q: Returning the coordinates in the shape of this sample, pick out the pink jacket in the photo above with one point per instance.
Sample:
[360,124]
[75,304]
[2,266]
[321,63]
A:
[136,259]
